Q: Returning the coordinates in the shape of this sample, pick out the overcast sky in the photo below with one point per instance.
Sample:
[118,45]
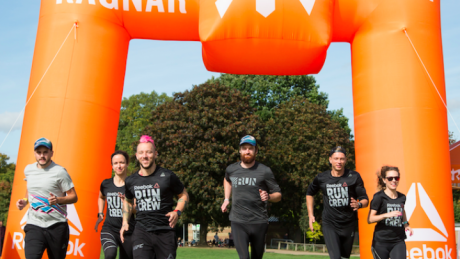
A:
[169,67]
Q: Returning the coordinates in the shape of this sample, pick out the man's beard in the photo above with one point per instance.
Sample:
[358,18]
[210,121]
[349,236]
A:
[247,159]
[149,166]
[46,162]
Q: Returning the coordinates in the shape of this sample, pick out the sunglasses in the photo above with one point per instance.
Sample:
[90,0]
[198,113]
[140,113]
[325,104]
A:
[393,178]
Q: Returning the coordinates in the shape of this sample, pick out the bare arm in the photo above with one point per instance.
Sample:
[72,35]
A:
[21,203]
[311,218]
[227,193]
[71,197]
[273,197]
[373,217]
[100,206]
[127,212]
[181,204]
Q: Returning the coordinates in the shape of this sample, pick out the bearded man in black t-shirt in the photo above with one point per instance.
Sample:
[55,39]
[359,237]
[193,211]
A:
[343,194]
[252,186]
[154,189]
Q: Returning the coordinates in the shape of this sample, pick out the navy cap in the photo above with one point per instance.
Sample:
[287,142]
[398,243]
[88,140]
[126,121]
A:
[43,142]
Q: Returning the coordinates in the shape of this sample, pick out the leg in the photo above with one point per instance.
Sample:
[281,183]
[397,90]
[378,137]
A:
[241,240]
[34,242]
[257,239]
[332,240]
[398,251]
[382,250]
[126,248]
[57,237]
[347,236]
[165,244]
[109,244]
[142,244]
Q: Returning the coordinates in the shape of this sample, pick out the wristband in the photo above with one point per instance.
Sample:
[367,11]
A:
[405,222]
[360,205]
[25,199]
[226,200]
[178,212]
[100,214]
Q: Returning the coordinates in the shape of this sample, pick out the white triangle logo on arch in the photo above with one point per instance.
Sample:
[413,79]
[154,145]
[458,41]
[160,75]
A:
[424,234]
[264,7]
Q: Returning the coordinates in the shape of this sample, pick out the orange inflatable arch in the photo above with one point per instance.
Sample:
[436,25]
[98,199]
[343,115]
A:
[399,118]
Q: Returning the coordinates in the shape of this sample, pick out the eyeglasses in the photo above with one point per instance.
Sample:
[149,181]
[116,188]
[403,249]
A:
[393,178]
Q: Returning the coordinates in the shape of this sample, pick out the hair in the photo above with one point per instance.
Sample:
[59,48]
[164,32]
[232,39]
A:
[147,139]
[120,152]
[337,149]
[382,174]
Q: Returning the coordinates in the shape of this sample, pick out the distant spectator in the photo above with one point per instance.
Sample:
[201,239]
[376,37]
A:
[216,237]
[230,240]
[193,242]
[2,236]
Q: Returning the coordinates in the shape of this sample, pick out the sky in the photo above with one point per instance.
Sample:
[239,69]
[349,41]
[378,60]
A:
[166,66]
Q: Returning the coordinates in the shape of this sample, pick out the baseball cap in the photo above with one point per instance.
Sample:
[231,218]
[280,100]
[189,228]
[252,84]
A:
[43,142]
[249,140]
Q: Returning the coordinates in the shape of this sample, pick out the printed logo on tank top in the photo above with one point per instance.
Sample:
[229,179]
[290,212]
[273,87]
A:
[394,221]
[148,197]
[114,205]
[239,181]
[337,194]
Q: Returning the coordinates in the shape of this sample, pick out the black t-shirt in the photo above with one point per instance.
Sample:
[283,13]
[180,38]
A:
[247,207]
[389,230]
[337,194]
[114,210]
[154,197]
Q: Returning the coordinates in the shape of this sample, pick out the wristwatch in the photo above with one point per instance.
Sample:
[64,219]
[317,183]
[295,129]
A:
[100,214]
[360,205]
[178,212]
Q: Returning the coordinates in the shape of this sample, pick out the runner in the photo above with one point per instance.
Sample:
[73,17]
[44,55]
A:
[343,194]
[387,209]
[253,185]
[110,190]
[49,189]
[153,188]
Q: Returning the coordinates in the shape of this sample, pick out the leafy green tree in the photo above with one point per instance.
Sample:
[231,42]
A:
[268,92]
[197,136]
[452,139]
[316,234]
[134,116]
[298,139]
[6,185]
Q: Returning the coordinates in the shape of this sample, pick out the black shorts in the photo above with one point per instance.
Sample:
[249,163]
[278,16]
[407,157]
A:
[244,233]
[339,242]
[160,244]
[382,250]
[110,241]
[53,239]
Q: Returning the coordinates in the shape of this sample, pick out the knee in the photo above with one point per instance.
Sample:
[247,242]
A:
[110,253]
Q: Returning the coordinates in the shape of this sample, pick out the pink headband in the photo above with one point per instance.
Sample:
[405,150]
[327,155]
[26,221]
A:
[146,139]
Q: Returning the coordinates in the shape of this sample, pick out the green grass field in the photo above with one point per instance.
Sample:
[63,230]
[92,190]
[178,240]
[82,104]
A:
[225,253]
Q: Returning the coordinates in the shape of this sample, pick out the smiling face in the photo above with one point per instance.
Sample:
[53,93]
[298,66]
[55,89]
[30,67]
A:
[393,184]
[43,156]
[119,164]
[338,161]
[248,153]
[146,154]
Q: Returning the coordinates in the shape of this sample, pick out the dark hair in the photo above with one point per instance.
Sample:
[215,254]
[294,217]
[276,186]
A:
[120,152]
[337,149]
[382,174]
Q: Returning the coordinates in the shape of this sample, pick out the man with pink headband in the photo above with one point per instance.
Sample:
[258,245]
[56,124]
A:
[154,188]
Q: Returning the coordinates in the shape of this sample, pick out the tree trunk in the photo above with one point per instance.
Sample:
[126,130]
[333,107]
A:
[203,233]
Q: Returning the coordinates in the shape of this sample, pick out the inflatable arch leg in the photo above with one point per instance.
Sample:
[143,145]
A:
[77,107]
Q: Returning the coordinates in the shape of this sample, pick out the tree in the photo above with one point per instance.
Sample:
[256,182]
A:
[134,116]
[452,139]
[268,92]
[298,139]
[6,185]
[197,136]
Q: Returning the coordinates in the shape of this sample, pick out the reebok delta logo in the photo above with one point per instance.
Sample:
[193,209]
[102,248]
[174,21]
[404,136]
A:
[431,250]
[424,234]
[75,229]
[264,7]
